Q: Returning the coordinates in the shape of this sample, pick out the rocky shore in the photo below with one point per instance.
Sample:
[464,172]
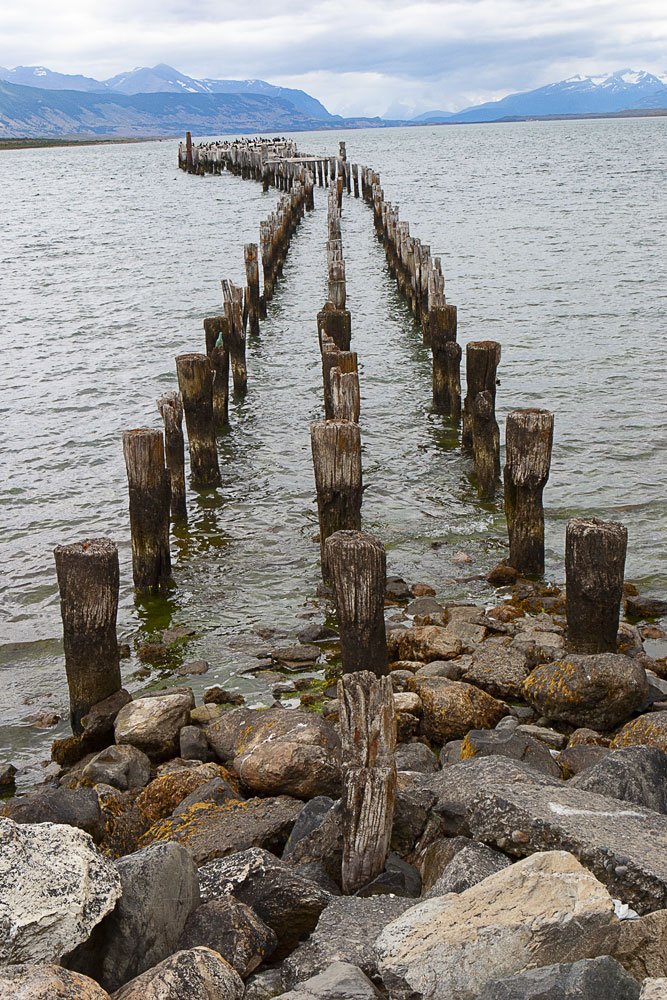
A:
[194,851]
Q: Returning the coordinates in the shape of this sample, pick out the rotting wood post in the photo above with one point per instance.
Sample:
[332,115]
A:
[216,328]
[345,401]
[486,445]
[235,337]
[188,152]
[357,564]
[88,579]
[332,358]
[355,179]
[443,333]
[528,442]
[252,276]
[335,323]
[149,485]
[337,290]
[170,407]
[195,380]
[594,566]
[336,449]
[482,358]
[368,744]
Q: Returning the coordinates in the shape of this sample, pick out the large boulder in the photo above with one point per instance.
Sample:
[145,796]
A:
[498,670]
[55,887]
[152,724]
[509,743]
[599,690]
[279,751]
[166,792]
[635,774]
[309,819]
[47,982]
[452,708]
[288,903]
[197,974]
[232,929]
[537,912]
[213,831]
[122,767]
[429,642]
[648,730]
[641,946]
[589,979]
[77,807]
[416,757]
[471,864]
[341,981]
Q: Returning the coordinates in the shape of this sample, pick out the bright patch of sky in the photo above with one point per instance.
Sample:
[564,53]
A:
[357,56]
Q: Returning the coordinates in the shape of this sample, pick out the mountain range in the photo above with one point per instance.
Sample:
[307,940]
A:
[37,102]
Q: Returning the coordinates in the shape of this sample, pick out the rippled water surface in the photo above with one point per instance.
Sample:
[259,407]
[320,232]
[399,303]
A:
[552,241]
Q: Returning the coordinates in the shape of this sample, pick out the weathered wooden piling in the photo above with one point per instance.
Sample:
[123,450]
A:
[170,408]
[486,445]
[355,179]
[251,259]
[337,289]
[336,324]
[345,399]
[88,579]
[528,442]
[149,484]
[195,380]
[482,358]
[188,152]
[594,567]
[368,742]
[357,564]
[216,329]
[345,361]
[446,361]
[235,335]
[336,449]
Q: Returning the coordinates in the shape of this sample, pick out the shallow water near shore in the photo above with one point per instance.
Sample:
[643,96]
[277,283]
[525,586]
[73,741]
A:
[552,242]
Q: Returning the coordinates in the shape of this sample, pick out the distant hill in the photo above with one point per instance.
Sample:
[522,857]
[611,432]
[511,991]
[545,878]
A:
[612,92]
[46,79]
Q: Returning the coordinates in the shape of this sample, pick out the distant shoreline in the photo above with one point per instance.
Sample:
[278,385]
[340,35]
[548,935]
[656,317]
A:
[36,143]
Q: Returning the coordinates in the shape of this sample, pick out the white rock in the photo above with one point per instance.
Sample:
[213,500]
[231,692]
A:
[55,887]
[153,724]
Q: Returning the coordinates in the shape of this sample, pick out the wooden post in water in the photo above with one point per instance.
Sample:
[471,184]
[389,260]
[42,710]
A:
[355,179]
[332,358]
[170,408]
[528,441]
[594,567]
[336,448]
[446,362]
[149,485]
[88,577]
[252,277]
[482,358]
[345,401]
[358,566]
[236,336]
[188,152]
[195,380]
[486,445]
[368,741]
[335,323]
[216,329]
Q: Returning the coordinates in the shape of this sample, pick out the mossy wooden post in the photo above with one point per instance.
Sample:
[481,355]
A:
[486,445]
[88,579]
[170,408]
[482,358]
[149,486]
[357,564]
[345,402]
[252,277]
[195,380]
[336,448]
[446,370]
[528,441]
[335,323]
[368,744]
[594,567]
[332,358]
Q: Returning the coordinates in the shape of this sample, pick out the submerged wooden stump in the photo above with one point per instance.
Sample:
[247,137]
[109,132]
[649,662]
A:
[336,447]
[357,564]
[170,407]
[528,441]
[594,567]
[88,578]
[368,739]
[482,358]
[150,499]
[195,380]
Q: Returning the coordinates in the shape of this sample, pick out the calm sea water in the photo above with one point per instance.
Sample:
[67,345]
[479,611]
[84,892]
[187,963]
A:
[552,240]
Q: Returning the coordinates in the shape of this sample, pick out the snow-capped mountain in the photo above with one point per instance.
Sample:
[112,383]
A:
[621,91]
[46,79]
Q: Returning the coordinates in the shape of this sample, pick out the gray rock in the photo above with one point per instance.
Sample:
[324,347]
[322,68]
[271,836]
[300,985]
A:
[589,979]
[516,745]
[451,753]
[288,903]
[438,855]
[641,946]
[309,819]
[264,985]
[341,981]
[233,930]
[416,757]
[538,646]
[197,974]
[47,982]
[451,669]
[316,633]
[98,721]
[315,872]
[193,744]
[194,667]
[291,656]
[498,670]
[654,989]
[324,845]
[216,790]
[508,724]
[122,767]
[469,866]
[635,774]
[413,803]
[345,932]
[550,738]
[153,723]
[159,891]
[398,879]
[77,807]
[55,887]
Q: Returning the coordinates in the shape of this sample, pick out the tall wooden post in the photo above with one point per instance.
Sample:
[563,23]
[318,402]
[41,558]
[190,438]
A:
[336,448]
[216,329]
[332,358]
[446,370]
[486,445]
[150,499]
[335,323]
[252,277]
[345,402]
[528,441]
[195,380]
[170,408]
[358,565]
[368,740]
[235,337]
[88,578]
[594,566]
[482,358]
[188,152]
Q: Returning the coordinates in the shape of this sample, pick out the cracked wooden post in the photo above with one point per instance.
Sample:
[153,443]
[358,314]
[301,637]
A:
[252,277]
[336,448]
[188,152]
[332,358]
[355,179]
[594,567]
[358,567]
[88,578]
[195,380]
[235,337]
[170,408]
[482,358]
[486,445]
[446,361]
[335,323]
[216,329]
[528,441]
[368,743]
[150,499]
[345,402]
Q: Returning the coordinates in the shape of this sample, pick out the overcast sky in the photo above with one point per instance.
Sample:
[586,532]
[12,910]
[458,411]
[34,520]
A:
[356,56]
